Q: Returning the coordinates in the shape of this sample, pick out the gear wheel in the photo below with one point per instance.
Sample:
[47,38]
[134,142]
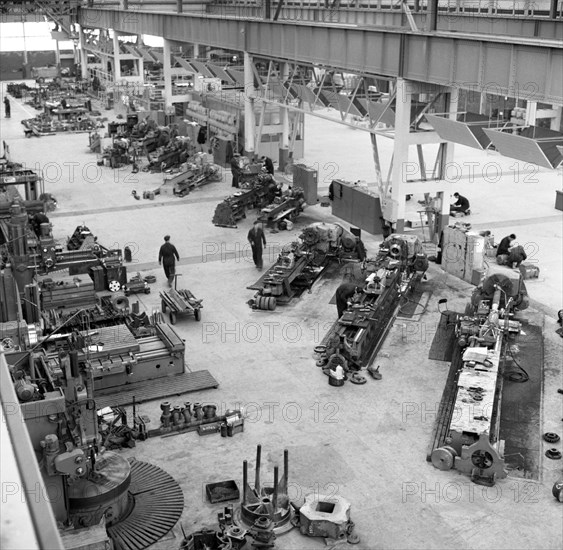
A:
[551,437]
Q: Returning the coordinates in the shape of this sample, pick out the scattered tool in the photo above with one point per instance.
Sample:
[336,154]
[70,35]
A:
[375,374]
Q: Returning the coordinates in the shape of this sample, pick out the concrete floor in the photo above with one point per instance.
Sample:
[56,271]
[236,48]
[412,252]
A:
[366,443]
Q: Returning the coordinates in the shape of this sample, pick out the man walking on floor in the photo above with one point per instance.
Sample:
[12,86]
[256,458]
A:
[256,238]
[167,256]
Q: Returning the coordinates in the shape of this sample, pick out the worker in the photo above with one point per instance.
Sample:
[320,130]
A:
[460,205]
[516,256]
[505,244]
[268,164]
[256,238]
[235,169]
[343,294]
[167,257]
[7,107]
[36,222]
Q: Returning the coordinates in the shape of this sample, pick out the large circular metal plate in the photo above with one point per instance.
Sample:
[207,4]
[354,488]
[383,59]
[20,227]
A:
[157,503]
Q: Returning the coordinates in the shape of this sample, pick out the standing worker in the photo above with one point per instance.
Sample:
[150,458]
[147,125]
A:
[343,293]
[268,164]
[7,107]
[167,257]
[460,205]
[235,169]
[256,238]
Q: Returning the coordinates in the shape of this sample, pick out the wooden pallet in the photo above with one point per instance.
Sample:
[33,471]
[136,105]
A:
[149,390]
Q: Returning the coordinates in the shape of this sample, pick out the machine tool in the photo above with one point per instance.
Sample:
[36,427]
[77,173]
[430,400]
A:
[256,191]
[470,419]
[193,174]
[287,207]
[302,262]
[355,338]
[86,485]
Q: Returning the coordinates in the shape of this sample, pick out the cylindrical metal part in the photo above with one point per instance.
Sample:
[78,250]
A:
[275,495]
[244,480]
[74,370]
[45,229]
[285,470]
[257,475]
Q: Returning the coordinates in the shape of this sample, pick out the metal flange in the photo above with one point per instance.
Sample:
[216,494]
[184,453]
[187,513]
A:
[554,454]
[551,437]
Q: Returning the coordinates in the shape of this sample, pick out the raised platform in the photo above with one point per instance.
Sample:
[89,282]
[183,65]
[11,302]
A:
[149,390]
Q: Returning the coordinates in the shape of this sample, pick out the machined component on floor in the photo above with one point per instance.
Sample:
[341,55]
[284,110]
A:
[156,502]
[557,490]
[554,454]
[327,516]
[265,502]
[203,540]
[551,437]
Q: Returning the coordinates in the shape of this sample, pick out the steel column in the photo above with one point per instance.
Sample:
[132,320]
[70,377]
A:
[446,158]
[284,116]
[432,16]
[378,176]
[167,73]
[249,116]
[116,58]
[83,55]
[401,150]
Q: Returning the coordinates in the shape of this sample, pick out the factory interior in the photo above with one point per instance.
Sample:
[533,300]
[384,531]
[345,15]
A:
[281,274]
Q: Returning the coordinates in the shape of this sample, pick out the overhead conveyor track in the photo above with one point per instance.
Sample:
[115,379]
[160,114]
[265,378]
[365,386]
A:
[529,69]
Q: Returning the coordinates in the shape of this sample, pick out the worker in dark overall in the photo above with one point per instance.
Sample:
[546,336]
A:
[167,257]
[460,205]
[235,169]
[503,249]
[268,164]
[256,238]
[343,294]
[36,222]
[7,107]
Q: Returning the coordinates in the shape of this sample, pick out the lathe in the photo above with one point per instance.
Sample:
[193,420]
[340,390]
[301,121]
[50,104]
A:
[301,263]
[355,338]
[470,418]
[254,192]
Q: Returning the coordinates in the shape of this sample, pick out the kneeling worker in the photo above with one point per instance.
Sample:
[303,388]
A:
[461,205]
